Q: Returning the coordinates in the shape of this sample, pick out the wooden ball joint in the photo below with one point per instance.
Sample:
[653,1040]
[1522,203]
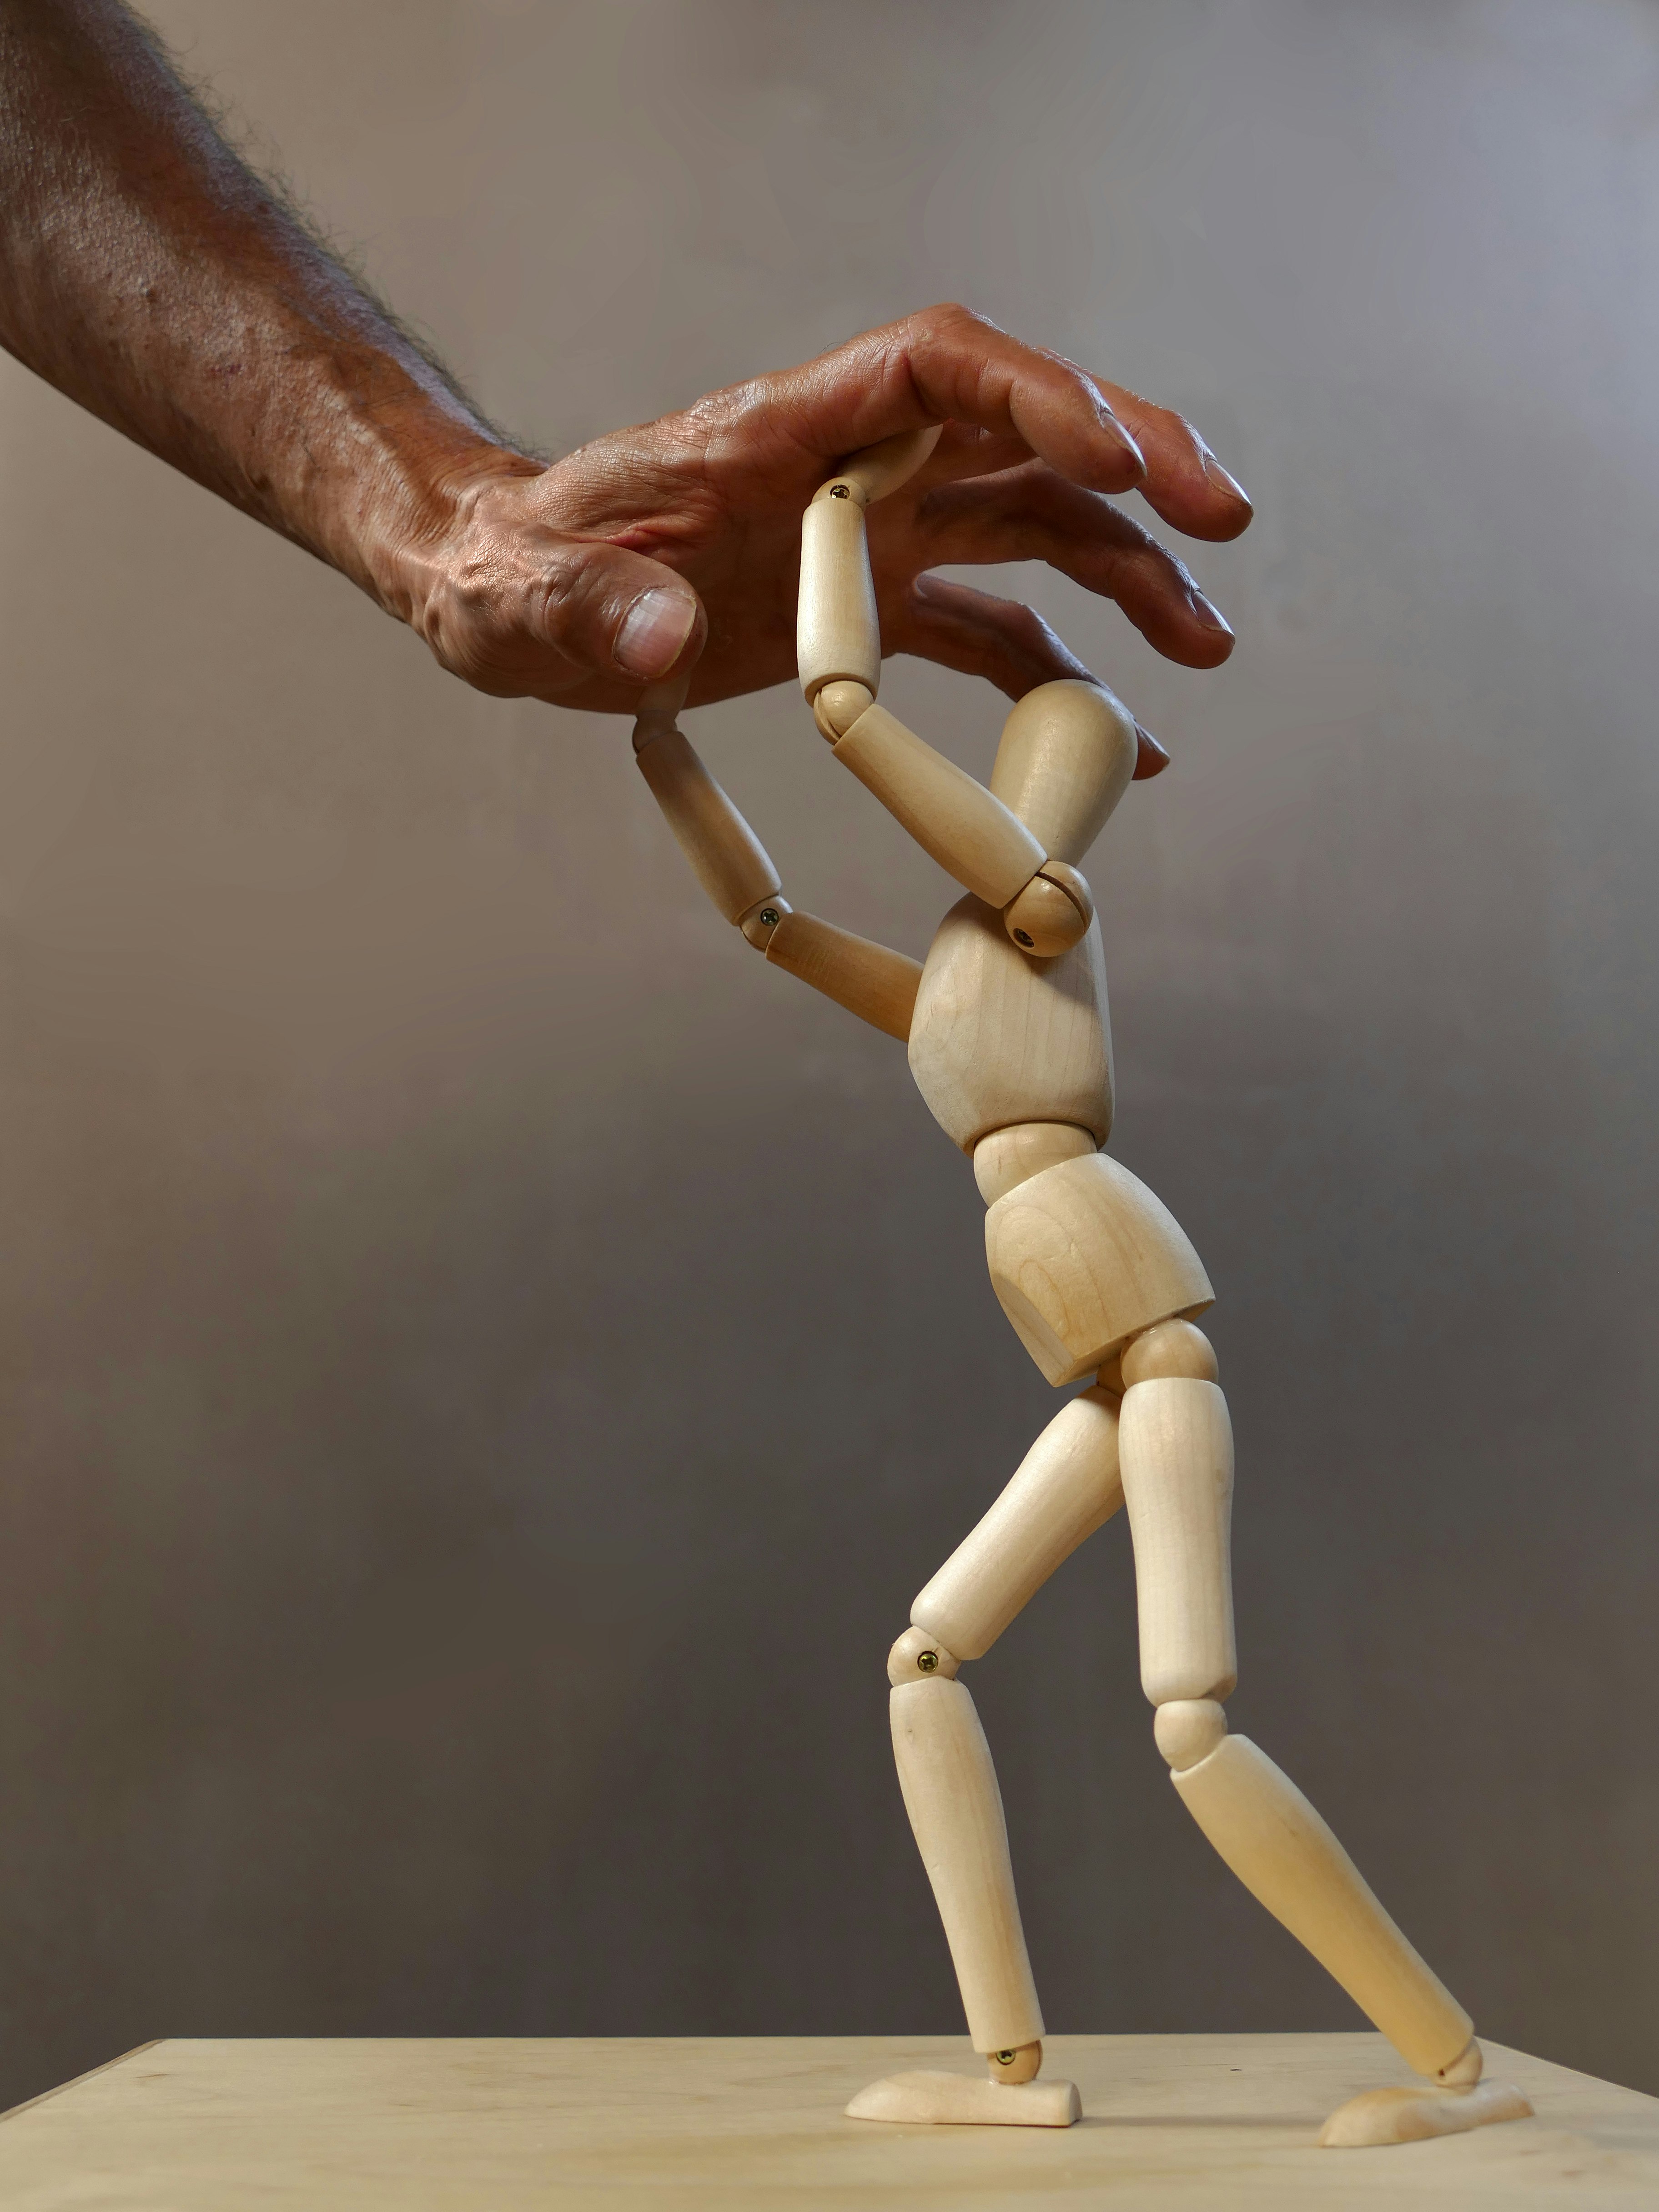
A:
[1006,1027]
[1052,913]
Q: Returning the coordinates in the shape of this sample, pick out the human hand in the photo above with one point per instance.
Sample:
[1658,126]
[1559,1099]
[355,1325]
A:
[675,546]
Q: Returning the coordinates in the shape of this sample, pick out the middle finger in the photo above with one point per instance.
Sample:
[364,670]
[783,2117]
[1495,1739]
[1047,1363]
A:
[1030,514]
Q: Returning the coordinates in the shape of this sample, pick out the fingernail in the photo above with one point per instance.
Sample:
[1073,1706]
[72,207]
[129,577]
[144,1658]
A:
[1149,755]
[1229,487]
[653,630]
[1211,618]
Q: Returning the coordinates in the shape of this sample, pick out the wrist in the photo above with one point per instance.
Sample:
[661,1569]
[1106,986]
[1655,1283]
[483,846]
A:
[392,522]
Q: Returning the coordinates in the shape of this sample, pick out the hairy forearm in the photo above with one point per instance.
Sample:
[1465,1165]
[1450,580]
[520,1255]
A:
[148,274]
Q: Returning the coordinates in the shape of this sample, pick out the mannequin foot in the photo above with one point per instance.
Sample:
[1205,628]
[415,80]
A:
[1011,2097]
[1411,2115]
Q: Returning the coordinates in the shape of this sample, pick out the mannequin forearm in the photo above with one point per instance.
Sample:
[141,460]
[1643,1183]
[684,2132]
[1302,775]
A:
[146,272]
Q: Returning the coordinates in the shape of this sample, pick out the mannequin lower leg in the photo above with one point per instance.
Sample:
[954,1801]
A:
[956,1810]
[1067,1485]
[1175,1456]
[1289,1860]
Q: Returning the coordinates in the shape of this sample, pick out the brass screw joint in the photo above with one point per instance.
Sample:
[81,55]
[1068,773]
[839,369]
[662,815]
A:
[917,1658]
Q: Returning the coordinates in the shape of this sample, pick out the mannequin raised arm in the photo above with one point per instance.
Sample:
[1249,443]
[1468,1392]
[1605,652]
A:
[974,834]
[1066,757]
[737,871]
[1064,761]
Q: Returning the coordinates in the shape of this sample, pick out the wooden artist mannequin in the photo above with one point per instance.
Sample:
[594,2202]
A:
[1007,1025]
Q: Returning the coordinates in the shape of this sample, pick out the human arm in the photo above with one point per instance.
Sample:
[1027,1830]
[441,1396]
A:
[148,273]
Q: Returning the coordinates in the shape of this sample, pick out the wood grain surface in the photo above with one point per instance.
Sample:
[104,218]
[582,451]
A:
[736,2124]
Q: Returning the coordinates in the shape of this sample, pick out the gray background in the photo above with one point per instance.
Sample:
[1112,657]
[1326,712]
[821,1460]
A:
[488,1363]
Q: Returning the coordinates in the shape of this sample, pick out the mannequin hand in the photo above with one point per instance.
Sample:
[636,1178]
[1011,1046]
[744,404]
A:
[653,549]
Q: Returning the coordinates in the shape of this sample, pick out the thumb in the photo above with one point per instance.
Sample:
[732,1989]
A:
[622,614]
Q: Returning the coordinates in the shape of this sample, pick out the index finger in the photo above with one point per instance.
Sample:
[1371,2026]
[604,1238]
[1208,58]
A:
[948,364]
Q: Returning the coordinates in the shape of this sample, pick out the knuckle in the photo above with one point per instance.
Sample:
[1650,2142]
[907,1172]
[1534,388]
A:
[952,318]
[490,625]
[556,590]
[1027,628]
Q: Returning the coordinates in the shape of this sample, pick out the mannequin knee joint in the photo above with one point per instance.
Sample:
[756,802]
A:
[1188,1729]
[918,1657]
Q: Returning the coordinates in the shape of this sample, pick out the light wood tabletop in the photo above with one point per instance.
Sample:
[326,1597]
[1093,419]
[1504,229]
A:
[746,2123]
